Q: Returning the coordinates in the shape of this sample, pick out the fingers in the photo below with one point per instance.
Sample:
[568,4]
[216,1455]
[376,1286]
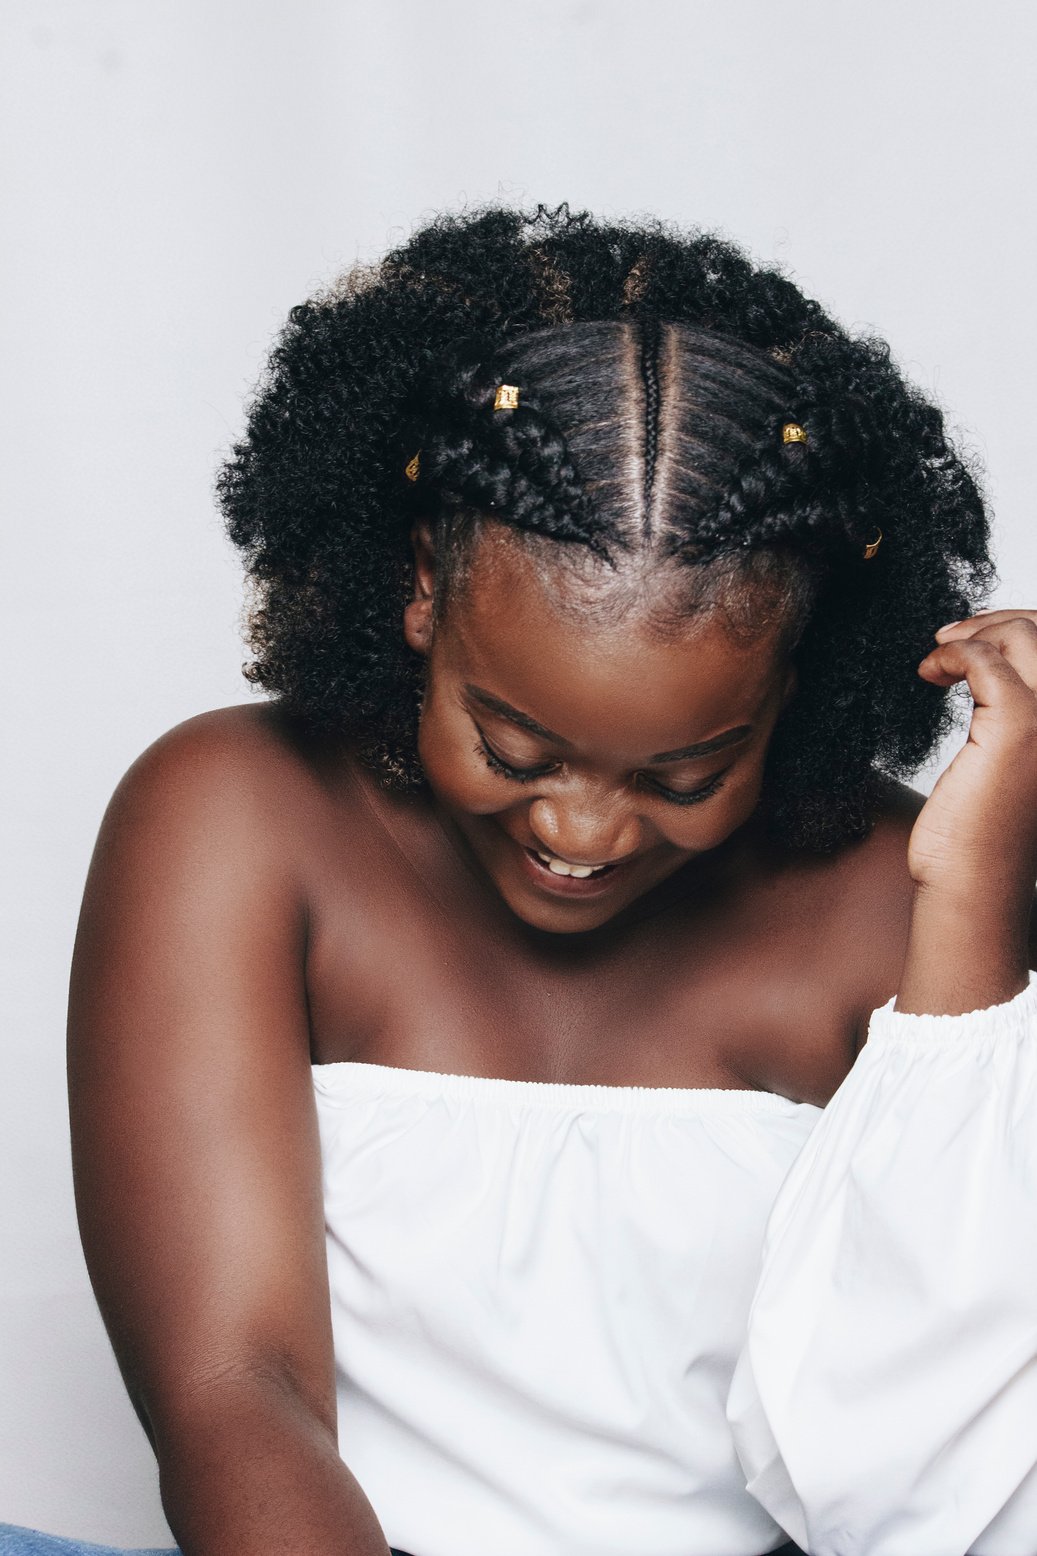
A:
[994,681]
[972,624]
[1010,636]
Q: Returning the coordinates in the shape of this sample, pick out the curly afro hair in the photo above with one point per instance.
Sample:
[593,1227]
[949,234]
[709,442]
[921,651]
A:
[657,371]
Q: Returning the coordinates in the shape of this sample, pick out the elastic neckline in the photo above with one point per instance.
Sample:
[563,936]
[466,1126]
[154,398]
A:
[350,1078]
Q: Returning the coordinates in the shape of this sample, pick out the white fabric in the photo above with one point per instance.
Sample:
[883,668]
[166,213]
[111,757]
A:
[540,1294]
[885,1403]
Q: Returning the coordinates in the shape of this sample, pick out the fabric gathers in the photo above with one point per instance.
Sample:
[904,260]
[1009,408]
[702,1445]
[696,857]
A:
[885,1401]
[577,1320]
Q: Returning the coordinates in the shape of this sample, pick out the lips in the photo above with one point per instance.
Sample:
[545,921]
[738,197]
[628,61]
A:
[559,866]
[556,885]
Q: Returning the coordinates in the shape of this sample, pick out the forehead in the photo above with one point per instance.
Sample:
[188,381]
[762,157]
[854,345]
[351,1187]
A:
[582,653]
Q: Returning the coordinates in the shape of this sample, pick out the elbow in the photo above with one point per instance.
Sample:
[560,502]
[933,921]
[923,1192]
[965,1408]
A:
[256,1393]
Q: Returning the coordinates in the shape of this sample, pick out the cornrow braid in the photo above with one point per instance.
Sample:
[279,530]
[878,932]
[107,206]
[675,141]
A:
[829,494]
[511,461]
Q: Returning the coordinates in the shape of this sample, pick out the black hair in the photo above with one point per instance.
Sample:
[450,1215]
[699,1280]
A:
[657,370]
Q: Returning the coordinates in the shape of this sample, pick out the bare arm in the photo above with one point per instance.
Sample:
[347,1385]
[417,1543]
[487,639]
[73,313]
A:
[196,1154]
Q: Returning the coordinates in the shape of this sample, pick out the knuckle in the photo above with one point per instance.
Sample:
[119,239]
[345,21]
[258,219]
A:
[1021,629]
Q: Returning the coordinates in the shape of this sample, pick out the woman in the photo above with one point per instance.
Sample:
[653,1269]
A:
[541,1084]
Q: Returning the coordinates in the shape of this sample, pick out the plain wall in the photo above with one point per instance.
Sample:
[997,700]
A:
[177,174]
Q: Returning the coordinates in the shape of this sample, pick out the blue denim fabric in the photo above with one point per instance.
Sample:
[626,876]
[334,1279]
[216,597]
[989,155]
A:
[30,1542]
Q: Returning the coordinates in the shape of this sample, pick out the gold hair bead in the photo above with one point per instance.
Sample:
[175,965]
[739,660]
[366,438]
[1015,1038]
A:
[792,432]
[412,467]
[872,546]
[506,398]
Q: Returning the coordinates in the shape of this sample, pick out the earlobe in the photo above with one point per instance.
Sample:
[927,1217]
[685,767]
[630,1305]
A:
[417,625]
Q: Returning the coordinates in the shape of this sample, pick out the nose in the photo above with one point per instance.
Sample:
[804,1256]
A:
[581,831]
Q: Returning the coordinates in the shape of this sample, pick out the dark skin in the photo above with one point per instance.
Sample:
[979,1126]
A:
[257,904]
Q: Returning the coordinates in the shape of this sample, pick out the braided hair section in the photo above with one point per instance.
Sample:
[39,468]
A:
[507,462]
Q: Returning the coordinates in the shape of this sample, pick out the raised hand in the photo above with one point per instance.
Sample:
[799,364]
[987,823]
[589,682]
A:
[973,848]
[981,818]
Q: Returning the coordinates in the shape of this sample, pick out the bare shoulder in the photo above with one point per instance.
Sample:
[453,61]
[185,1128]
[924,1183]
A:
[869,911]
[197,835]
[877,869]
[251,766]
[884,851]
[225,817]
[253,743]
[865,878]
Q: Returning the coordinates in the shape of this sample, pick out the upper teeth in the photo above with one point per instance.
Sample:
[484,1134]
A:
[559,866]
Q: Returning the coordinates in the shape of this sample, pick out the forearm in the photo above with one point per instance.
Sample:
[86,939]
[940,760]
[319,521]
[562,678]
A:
[966,951]
[249,1470]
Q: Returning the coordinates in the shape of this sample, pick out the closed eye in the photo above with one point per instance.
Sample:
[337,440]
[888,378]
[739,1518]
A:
[691,796]
[506,769]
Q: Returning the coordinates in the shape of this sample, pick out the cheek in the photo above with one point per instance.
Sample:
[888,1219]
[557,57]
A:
[456,773]
[740,796]
[701,827]
[744,797]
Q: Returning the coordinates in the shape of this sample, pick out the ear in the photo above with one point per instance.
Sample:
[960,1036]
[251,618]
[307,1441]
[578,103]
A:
[417,617]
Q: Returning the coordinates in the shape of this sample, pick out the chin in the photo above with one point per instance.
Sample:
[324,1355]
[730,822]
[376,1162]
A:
[564,920]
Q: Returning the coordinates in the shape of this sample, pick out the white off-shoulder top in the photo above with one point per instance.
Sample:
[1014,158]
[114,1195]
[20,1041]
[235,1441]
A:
[577,1320]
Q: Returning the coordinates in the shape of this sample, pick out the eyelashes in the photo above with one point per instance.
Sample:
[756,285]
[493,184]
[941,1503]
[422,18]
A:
[528,774]
[694,796]
[505,769]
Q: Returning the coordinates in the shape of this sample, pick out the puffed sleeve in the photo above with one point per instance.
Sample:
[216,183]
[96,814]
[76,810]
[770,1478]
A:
[885,1401]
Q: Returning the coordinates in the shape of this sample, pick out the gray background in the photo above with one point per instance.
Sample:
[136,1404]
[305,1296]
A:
[176,176]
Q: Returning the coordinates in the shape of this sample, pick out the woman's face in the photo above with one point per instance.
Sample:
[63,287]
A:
[557,744]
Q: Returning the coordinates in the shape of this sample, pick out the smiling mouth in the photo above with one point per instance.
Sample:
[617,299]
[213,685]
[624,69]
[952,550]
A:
[558,866]
[560,879]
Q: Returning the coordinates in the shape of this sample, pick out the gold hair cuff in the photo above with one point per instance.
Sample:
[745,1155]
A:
[506,398]
[412,467]
[872,546]
[792,432]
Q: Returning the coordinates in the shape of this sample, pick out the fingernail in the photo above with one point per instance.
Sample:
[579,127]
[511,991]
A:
[947,627]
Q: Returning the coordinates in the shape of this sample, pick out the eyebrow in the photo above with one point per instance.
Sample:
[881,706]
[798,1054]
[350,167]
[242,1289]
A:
[729,737]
